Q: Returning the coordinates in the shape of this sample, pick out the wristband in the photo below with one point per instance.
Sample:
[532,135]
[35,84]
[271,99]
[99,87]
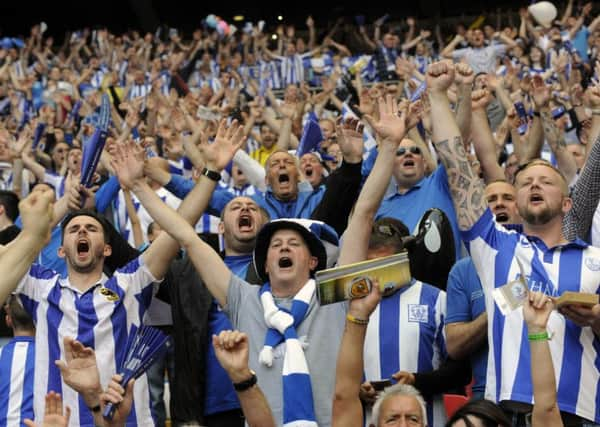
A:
[246,384]
[537,114]
[213,175]
[542,336]
[356,320]
[95,408]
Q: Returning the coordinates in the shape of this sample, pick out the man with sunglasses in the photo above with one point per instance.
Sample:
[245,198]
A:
[416,192]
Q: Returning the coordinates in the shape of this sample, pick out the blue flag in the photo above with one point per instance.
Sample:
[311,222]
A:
[92,148]
[311,138]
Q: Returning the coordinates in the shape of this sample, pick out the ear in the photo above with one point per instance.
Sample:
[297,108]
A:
[313,263]
[107,250]
[567,204]
[8,321]
[61,252]
[221,228]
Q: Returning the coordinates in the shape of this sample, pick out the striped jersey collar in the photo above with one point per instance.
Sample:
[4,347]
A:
[64,282]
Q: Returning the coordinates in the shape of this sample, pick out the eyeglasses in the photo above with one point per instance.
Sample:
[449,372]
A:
[414,150]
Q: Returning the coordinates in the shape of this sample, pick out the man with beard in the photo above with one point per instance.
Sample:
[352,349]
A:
[542,256]
[241,220]
[100,310]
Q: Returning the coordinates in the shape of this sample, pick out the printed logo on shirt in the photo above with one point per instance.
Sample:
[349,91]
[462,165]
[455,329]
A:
[525,243]
[418,313]
[593,264]
[108,294]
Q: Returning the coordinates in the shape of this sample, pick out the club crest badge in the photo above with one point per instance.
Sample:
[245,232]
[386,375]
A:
[108,294]
[593,264]
[418,313]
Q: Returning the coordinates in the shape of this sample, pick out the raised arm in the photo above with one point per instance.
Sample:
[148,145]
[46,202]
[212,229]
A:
[208,263]
[466,187]
[556,140]
[347,407]
[586,193]
[464,84]
[532,146]
[447,52]
[231,349]
[390,129]
[536,311]
[483,140]
[17,256]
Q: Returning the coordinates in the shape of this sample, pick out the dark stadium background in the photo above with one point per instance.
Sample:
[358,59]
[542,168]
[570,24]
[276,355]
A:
[61,15]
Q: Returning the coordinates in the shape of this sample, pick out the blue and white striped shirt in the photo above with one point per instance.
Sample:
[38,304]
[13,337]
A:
[17,362]
[99,318]
[57,181]
[575,351]
[406,333]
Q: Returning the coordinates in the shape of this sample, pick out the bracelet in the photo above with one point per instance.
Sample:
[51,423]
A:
[536,113]
[542,336]
[356,320]
[213,175]
[95,408]
[596,111]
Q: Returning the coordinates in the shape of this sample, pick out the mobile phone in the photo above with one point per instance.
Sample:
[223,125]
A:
[520,109]
[381,384]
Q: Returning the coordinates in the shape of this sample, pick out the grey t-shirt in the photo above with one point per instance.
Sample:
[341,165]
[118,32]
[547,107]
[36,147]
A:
[481,59]
[321,329]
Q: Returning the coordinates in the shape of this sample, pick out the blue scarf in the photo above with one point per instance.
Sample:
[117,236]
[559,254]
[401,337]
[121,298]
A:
[298,405]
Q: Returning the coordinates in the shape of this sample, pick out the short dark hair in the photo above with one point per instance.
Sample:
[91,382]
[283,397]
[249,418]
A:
[388,232]
[490,414]
[86,212]
[10,201]
[19,317]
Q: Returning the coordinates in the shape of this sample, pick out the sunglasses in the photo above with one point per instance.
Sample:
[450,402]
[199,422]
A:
[414,150]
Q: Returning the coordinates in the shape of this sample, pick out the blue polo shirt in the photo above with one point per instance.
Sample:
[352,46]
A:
[431,192]
[466,302]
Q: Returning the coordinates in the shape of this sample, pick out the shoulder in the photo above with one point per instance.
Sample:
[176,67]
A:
[131,267]
[39,272]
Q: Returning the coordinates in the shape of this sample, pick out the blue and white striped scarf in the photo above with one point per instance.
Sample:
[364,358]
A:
[298,405]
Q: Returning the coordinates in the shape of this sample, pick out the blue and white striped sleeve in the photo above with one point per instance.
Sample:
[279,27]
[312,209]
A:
[33,287]
[135,277]
[489,231]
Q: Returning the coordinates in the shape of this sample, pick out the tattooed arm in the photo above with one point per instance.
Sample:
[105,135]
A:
[465,186]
